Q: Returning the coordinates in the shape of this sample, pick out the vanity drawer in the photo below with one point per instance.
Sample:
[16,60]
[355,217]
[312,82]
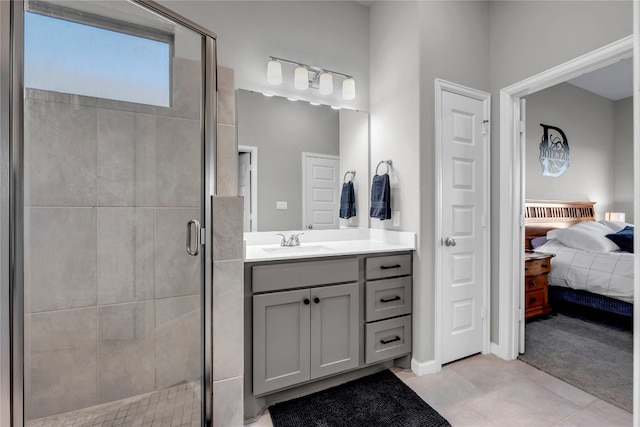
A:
[273,277]
[388,266]
[388,298]
[387,339]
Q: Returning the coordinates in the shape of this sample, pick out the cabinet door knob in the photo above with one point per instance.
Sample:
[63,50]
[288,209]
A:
[306,301]
[316,300]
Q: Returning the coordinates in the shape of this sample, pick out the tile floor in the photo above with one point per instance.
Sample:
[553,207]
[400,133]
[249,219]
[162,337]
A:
[484,390]
[177,406]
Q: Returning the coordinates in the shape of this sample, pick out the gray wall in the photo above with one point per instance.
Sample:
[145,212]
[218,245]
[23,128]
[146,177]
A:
[282,130]
[623,187]
[588,120]
[412,43]
[526,38]
[112,300]
[329,34]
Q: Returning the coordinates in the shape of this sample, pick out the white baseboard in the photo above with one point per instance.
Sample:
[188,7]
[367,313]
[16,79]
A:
[423,368]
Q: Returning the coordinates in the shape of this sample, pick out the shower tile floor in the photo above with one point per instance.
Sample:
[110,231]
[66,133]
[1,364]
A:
[176,406]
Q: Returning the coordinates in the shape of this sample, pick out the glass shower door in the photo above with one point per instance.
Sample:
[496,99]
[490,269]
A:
[114,170]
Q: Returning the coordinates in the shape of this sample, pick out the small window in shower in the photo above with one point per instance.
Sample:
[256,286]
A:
[77,54]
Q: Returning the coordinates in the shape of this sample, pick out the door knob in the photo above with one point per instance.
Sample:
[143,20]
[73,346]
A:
[449,241]
[310,226]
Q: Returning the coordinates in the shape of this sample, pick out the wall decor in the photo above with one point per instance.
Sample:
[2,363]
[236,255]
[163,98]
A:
[554,151]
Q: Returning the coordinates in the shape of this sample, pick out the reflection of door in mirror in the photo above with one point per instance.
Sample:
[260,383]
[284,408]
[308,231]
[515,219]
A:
[247,184]
[320,191]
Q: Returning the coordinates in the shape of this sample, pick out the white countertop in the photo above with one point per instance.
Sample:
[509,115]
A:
[326,243]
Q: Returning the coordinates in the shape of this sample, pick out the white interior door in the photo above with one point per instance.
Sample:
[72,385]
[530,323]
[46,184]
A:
[464,210]
[320,191]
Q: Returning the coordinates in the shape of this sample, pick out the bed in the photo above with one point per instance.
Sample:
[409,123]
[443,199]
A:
[599,278]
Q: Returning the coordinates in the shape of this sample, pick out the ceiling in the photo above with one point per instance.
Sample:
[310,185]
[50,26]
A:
[614,81]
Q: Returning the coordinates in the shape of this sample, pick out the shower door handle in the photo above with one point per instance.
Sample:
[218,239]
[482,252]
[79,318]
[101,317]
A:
[191,225]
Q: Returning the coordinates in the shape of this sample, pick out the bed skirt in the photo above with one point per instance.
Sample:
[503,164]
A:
[558,295]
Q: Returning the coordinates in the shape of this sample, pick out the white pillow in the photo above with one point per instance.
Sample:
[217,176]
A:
[588,236]
[615,226]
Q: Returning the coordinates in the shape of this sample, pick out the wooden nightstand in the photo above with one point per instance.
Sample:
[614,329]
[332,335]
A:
[537,266]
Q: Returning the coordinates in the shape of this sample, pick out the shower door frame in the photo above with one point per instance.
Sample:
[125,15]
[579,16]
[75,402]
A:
[12,204]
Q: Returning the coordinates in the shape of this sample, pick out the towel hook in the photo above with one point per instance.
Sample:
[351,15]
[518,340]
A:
[386,162]
[353,175]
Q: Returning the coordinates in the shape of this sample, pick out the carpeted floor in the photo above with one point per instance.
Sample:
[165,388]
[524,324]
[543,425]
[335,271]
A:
[380,400]
[595,357]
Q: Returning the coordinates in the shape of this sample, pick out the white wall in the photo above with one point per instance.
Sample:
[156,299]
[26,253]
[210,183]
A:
[354,156]
[588,121]
[329,34]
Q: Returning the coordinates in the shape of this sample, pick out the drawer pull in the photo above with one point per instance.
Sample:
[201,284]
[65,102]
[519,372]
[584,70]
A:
[387,267]
[532,283]
[396,298]
[545,265]
[390,340]
[532,300]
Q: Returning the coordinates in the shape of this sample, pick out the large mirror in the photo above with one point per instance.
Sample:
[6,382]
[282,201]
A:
[293,160]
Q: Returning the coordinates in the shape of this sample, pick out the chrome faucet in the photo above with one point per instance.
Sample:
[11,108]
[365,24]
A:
[291,241]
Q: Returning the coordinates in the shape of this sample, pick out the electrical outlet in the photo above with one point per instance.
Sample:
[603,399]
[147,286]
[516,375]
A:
[396,218]
[281,206]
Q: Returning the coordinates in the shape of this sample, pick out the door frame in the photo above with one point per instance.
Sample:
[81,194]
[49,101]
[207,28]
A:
[305,155]
[442,86]
[12,206]
[253,151]
[511,213]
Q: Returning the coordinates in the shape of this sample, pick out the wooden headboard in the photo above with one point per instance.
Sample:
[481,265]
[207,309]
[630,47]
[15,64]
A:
[541,216]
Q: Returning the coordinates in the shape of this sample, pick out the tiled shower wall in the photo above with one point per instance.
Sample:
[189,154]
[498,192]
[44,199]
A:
[112,299]
[228,260]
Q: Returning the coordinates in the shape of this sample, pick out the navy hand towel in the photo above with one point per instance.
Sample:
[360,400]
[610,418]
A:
[380,197]
[347,201]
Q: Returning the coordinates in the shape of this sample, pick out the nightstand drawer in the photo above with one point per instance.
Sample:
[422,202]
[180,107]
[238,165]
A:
[535,267]
[534,299]
[535,283]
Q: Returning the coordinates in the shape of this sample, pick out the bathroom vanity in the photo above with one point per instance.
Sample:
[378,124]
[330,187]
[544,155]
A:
[324,313]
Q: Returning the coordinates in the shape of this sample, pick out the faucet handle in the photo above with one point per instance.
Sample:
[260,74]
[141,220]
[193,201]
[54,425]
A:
[283,241]
[294,241]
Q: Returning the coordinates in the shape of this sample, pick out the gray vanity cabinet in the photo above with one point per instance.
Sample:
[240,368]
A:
[300,335]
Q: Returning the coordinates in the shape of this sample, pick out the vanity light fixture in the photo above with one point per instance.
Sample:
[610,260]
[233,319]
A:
[306,76]
[274,72]
[301,78]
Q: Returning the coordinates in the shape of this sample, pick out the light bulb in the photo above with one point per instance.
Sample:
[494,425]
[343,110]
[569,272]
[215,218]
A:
[349,88]
[274,72]
[301,78]
[326,84]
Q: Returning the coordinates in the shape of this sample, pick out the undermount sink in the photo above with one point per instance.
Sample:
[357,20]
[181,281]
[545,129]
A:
[296,249]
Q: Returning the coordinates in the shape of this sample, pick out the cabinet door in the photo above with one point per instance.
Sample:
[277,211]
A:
[280,340]
[334,329]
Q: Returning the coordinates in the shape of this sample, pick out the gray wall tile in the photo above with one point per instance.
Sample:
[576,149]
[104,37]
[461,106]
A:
[126,350]
[62,258]
[227,228]
[227,402]
[63,361]
[228,319]
[226,161]
[178,346]
[61,142]
[226,96]
[177,272]
[126,158]
[126,254]
[187,90]
[179,155]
